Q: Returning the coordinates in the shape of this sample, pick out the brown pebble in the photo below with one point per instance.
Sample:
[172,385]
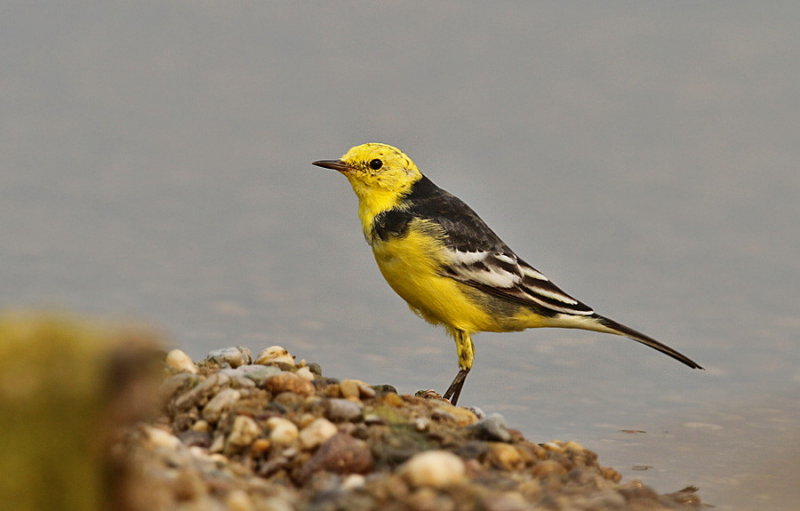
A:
[505,456]
[548,468]
[289,382]
[260,445]
[611,474]
[342,454]
[349,389]
[393,400]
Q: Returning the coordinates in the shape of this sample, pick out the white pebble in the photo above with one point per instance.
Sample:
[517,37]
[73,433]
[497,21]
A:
[160,438]
[353,481]
[244,431]
[238,500]
[213,410]
[437,469]
[305,373]
[180,362]
[275,354]
[282,431]
[317,432]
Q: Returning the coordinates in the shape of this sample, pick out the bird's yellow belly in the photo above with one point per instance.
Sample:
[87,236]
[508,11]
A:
[408,267]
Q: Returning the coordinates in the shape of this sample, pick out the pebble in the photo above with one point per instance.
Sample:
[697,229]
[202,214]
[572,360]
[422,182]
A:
[289,382]
[341,454]
[505,456]
[305,373]
[160,438]
[225,399]
[180,362]
[547,468]
[238,500]
[491,428]
[343,410]
[238,379]
[203,389]
[275,354]
[353,482]
[177,383]
[201,426]
[233,356]
[316,433]
[437,469]
[349,389]
[422,423]
[244,431]
[282,431]
[257,373]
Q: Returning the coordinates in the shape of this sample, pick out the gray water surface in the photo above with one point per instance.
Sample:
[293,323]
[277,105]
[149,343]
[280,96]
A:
[156,166]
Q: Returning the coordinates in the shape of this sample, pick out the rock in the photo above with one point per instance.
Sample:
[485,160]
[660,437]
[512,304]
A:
[349,389]
[180,362]
[353,481]
[548,468]
[341,454]
[160,438]
[205,388]
[239,500]
[510,502]
[177,383]
[316,433]
[437,469]
[275,354]
[225,399]
[304,373]
[492,428]
[289,382]
[343,410]
[504,456]
[282,431]
[257,373]
[234,356]
[243,432]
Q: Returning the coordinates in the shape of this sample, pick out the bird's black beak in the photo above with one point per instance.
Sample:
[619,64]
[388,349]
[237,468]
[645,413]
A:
[332,164]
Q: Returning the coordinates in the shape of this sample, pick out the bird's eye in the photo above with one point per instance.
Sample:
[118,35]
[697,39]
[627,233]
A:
[375,164]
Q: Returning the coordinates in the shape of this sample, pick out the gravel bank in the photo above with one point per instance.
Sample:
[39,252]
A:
[240,432]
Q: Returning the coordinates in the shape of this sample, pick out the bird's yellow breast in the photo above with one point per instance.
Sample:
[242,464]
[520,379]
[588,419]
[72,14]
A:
[412,265]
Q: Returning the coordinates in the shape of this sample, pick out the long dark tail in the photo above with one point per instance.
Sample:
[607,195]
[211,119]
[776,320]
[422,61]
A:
[620,329]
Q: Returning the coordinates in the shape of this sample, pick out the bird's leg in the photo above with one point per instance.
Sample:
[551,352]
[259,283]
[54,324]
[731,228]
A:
[466,354]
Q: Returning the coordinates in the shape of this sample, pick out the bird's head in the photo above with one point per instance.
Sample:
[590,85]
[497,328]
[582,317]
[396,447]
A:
[376,169]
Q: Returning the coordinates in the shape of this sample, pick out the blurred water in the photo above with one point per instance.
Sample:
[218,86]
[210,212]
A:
[156,166]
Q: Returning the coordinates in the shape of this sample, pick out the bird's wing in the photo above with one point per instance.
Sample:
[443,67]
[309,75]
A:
[504,275]
[480,259]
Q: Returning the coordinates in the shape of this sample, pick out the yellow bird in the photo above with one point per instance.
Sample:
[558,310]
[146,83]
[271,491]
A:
[450,267]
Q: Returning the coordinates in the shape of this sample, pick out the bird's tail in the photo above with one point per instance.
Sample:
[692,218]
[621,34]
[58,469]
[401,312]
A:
[612,327]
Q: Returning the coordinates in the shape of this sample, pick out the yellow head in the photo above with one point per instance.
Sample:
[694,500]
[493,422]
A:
[376,171]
